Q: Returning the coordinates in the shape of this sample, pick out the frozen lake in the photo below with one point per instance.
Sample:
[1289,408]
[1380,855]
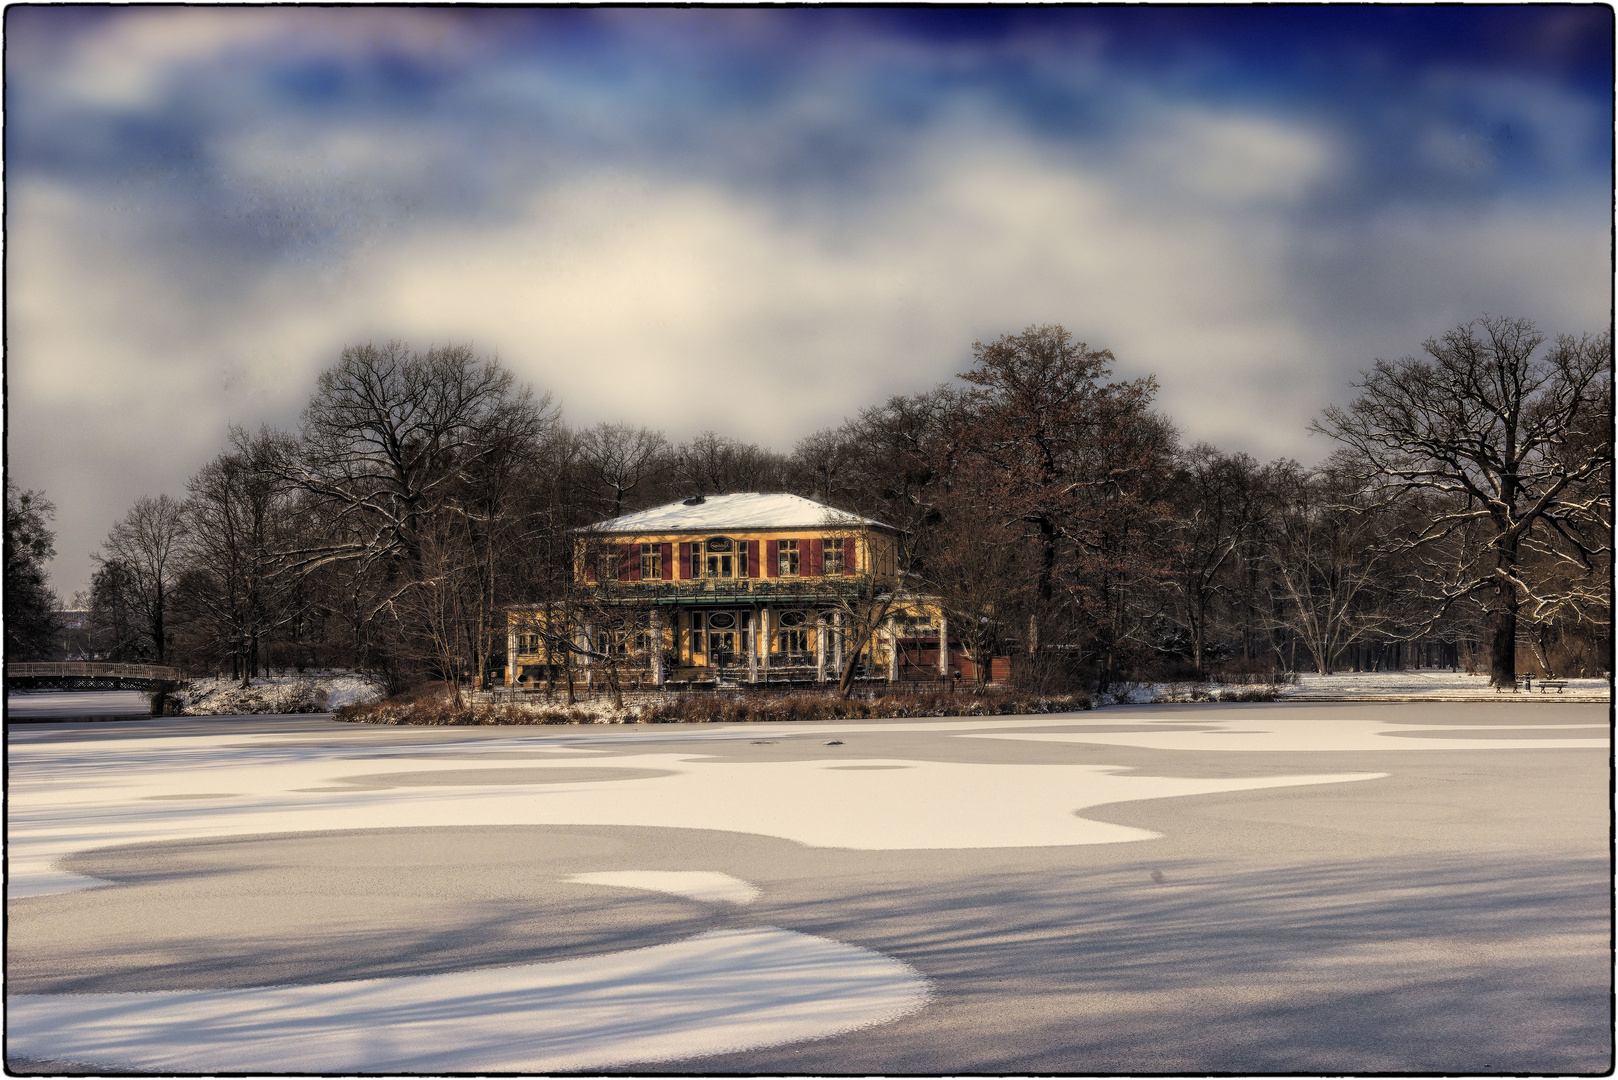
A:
[1234,888]
[75,703]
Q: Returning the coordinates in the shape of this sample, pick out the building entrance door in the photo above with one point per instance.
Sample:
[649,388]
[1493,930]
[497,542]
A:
[722,647]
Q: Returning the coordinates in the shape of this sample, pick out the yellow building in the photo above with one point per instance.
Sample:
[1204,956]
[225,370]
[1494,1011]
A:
[746,588]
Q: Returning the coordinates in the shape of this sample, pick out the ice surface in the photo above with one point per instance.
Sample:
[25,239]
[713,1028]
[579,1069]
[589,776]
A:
[715,993]
[71,796]
[71,703]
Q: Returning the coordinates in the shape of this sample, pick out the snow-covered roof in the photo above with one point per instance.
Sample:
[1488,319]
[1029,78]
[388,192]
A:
[750,510]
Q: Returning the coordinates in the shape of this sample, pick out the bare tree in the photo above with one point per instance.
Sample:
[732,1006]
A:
[1512,447]
[973,569]
[114,623]
[713,464]
[1078,462]
[391,436]
[392,442]
[1218,505]
[238,516]
[626,463]
[146,546]
[889,474]
[1328,565]
[860,594]
[820,463]
[447,619]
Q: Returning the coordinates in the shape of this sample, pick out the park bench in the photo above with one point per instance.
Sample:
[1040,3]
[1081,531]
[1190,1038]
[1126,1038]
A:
[1521,683]
[1546,684]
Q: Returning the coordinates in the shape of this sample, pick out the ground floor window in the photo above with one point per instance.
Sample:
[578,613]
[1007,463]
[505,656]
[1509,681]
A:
[722,636]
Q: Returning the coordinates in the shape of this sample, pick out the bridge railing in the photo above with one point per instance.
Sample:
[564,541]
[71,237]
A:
[152,672]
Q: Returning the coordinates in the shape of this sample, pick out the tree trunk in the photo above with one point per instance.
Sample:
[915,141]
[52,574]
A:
[1196,644]
[1503,649]
[157,624]
[1503,644]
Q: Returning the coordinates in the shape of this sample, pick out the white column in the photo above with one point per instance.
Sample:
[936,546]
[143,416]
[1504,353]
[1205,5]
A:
[657,647]
[943,646]
[820,647]
[766,619]
[893,652]
[511,655]
[837,640]
[752,647]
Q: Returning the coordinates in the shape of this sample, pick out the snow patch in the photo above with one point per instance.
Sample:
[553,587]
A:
[715,993]
[707,885]
[1272,731]
[69,796]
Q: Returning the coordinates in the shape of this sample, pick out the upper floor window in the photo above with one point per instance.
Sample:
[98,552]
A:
[787,554]
[831,555]
[609,566]
[651,562]
[721,557]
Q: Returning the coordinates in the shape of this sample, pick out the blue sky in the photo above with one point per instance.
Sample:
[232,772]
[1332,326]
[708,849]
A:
[759,221]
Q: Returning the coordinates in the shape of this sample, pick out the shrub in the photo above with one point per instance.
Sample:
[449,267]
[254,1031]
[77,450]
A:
[711,709]
[1186,693]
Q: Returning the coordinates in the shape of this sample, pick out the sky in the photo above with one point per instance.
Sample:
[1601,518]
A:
[761,221]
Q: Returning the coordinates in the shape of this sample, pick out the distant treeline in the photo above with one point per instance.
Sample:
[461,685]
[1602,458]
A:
[1465,519]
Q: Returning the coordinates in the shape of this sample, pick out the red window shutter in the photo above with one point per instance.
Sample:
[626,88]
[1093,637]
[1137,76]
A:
[814,557]
[629,564]
[772,558]
[753,559]
[589,558]
[685,561]
[851,557]
[667,558]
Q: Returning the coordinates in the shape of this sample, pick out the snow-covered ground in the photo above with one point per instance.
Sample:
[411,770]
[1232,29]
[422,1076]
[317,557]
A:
[719,991]
[313,692]
[1414,685]
[1428,684]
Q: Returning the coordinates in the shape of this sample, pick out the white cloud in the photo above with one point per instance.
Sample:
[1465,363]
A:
[1235,159]
[678,296]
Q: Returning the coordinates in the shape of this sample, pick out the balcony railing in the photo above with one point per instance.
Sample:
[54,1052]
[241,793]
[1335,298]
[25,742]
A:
[736,590]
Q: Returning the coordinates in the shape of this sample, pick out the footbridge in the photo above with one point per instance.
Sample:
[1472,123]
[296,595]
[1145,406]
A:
[88,676]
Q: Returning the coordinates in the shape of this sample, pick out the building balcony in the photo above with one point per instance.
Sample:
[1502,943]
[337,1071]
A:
[736,591]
